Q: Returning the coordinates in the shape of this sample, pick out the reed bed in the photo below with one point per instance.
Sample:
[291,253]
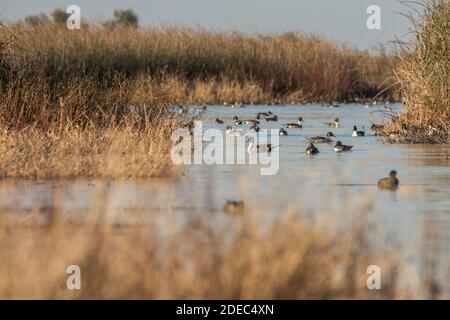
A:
[75,103]
[282,66]
[241,257]
[423,75]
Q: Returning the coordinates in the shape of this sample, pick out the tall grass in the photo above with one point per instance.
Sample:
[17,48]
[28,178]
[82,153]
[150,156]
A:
[312,68]
[237,258]
[423,74]
[71,102]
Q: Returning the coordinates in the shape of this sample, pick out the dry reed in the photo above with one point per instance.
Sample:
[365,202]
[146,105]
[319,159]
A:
[240,258]
[423,74]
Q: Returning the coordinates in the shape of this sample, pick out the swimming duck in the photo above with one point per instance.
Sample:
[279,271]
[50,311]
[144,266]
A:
[390,182]
[251,122]
[182,110]
[263,114]
[377,127]
[339,147]
[234,207]
[259,148]
[254,128]
[234,132]
[282,132]
[295,125]
[358,133]
[334,124]
[237,121]
[320,139]
[311,149]
[273,118]
[219,121]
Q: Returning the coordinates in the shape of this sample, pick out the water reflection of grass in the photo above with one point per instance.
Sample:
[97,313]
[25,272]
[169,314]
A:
[296,257]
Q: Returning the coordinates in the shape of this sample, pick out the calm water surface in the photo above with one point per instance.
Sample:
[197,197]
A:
[343,183]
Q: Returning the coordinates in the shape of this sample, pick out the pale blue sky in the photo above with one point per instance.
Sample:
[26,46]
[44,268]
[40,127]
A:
[341,20]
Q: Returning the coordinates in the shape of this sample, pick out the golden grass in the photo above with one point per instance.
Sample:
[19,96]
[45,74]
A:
[239,258]
[103,153]
[123,131]
[278,65]
[423,74]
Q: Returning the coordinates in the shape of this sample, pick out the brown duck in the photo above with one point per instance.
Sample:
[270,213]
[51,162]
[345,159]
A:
[390,182]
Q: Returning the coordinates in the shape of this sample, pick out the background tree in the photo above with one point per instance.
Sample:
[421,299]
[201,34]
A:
[123,18]
[37,20]
[59,17]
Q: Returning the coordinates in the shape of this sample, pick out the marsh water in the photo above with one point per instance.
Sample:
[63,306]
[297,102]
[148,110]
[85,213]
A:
[328,182]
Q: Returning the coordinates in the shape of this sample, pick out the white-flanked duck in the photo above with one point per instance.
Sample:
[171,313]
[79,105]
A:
[311,149]
[358,133]
[334,124]
[251,122]
[252,148]
[234,132]
[295,125]
[282,132]
[339,147]
[237,121]
[254,128]
[320,139]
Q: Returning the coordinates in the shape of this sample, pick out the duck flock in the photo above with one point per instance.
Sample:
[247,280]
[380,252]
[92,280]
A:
[270,116]
[390,182]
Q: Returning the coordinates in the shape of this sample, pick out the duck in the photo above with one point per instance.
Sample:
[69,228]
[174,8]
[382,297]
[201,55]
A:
[334,124]
[234,207]
[311,149]
[238,105]
[234,132]
[295,125]
[182,110]
[263,114]
[237,121]
[358,133]
[339,147]
[282,132]
[251,122]
[259,148]
[320,139]
[273,118]
[254,128]
[377,127]
[390,182]
[219,121]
